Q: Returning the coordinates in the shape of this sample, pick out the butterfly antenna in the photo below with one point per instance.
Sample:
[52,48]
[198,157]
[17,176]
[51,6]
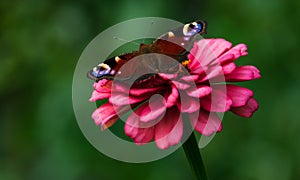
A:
[149,30]
[124,40]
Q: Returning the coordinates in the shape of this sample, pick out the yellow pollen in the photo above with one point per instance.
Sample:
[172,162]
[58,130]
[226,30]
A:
[186,62]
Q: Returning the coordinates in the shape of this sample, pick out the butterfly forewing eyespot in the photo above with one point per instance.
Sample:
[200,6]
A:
[175,43]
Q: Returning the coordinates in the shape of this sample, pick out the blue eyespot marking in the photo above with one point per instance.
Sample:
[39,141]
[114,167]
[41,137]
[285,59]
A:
[192,28]
[97,73]
[101,70]
[197,28]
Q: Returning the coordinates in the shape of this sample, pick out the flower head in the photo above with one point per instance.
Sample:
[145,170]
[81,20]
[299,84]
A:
[160,100]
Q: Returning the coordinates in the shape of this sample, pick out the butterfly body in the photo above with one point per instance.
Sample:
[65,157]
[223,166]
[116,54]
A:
[175,44]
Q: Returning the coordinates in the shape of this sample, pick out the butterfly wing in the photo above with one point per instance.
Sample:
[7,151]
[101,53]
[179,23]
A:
[175,44]
[110,67]
[179,40]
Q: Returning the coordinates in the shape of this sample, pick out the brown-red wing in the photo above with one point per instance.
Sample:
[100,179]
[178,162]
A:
[130,68]
[180,40]
[172,46]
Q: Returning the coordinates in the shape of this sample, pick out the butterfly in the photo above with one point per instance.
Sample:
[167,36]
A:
[175,44]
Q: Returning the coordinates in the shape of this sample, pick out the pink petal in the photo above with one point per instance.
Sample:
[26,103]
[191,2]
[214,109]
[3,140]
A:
[194,62]
[226,57]
[154,109]
[107,114]
[134,89]
[144,135]
[139,135]
[219,46]
[195,67]
[199,91]
[243,73]
[243,50]
[120,88]
[122,95]
[188,104]
[233,54]
[171,97]
[169,130]
[247,110]
[148,114]
[207,50]
[103,113]
[142,91]
[180,85]
[221,102]
[97,96]
[133,123]
[228,68]
[103,86]
[208,53]
[212,72]
[207,123]
[190,78]
[239,95]
[120,99]
[168,76]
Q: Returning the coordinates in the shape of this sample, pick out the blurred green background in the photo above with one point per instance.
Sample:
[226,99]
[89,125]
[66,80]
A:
[41,41]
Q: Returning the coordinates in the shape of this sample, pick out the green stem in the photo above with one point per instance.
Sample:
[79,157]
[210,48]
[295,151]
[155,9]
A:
[193,155]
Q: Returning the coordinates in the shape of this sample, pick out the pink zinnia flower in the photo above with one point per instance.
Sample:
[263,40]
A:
[158,117]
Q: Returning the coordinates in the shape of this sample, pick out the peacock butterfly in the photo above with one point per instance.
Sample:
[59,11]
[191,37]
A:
[175,43]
